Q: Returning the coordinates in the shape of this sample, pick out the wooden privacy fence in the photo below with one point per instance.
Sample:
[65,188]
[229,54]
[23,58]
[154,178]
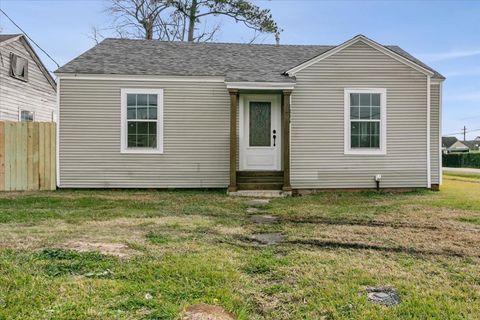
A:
[27,156]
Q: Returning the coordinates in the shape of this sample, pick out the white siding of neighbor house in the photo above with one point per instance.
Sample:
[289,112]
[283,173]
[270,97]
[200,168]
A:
[35,95]
[317,122]
[435,132]
[196,136]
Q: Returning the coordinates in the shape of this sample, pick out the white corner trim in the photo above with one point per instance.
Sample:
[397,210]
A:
[130,77]
[123,124]
[429,169]
[57,149]
[260,85]
[367,41]
[440,160]
[383,122]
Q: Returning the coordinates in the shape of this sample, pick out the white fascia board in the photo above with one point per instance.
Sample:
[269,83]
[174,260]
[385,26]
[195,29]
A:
[367,41]
[260,85]
[130,77]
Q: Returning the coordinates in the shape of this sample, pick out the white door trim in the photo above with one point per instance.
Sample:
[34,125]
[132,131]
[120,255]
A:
[244,148]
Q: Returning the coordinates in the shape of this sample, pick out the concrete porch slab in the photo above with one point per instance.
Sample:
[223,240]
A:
[260,193]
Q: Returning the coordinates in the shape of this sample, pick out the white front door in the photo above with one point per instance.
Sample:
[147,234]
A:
[260,132]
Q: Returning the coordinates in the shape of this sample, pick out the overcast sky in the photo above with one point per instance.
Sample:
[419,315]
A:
[443,34]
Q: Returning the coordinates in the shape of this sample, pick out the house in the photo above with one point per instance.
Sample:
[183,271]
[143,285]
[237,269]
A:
[452,144]
[152,114]
[27,90]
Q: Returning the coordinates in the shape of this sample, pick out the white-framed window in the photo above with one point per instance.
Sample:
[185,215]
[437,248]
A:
[18,67]
[366,121]
[142,121]
[26,116]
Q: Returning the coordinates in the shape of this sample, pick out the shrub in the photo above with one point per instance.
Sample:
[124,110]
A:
[461,160]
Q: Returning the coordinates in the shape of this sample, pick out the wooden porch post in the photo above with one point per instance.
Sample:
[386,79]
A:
[286,140]
[232,187]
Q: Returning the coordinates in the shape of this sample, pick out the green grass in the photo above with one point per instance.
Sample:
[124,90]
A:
[135,254]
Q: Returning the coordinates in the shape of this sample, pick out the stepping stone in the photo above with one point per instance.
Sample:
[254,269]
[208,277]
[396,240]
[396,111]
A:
[267,238]
[266,219]
[258,202]
[253,210]
[383,296]
[206,312]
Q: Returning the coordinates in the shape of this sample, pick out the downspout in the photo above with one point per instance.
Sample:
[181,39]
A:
[440,164]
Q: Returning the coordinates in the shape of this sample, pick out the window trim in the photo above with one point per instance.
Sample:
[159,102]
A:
[383,122]
[27,110]
[123,115]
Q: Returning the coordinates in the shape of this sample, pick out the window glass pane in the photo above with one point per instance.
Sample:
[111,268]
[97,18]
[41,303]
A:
[355,141]
[365,99]
[375,141]
[354,128]
[354,112]
[376,99]
[152,99]
[132,128]
[152,128]
[152,113]
[26,116]
[132,141]
[131,100]
[375,113]
[131,113]
[142,100]
[142,140]
[364,128]
[142,113]
[142,127]
[364,141]
[260,124]
[152,141]
[354,99]
[364,112]
[375,128]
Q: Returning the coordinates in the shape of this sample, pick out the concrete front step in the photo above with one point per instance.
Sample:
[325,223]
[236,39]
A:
[259,186]
[260,193]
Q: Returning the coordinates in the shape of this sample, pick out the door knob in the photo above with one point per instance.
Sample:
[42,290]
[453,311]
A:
[274,137]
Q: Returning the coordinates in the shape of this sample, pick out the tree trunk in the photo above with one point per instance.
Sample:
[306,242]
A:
[192,19]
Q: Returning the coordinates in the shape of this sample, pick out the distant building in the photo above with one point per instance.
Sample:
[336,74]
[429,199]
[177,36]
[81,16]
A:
[452,144]
[27,91]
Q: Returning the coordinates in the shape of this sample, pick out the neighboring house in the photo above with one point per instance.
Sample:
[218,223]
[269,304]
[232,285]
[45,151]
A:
[152,114]
[452,144]
[473,145]
[27,90]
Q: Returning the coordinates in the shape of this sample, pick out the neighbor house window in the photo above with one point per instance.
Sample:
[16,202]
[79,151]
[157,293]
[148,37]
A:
[365,121]
[142,121]
[18,67]
[27,116]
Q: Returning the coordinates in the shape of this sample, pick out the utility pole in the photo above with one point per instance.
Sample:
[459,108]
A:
[464,133]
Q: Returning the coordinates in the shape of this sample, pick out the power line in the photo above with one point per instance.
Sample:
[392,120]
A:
[26,35]
[467,131]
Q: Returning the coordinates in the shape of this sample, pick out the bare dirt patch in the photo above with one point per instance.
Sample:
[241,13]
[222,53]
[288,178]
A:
[206,312]
[115,249]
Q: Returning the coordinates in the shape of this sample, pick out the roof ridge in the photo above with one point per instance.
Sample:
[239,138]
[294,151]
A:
[224,43]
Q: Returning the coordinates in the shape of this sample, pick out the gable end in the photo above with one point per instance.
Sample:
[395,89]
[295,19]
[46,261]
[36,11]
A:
[367,41]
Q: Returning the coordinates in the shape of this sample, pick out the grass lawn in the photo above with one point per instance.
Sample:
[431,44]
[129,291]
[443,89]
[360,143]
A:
[88,254]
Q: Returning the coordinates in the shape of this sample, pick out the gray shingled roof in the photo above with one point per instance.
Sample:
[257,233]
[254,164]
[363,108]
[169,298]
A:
[237,62]
[4,37]
[447,142]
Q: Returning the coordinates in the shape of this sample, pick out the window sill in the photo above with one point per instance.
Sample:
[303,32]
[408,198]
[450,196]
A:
[366,152]
[141,151]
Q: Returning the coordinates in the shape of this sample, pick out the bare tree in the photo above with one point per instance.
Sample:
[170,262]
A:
[243,11]
[137,18]
[182,20]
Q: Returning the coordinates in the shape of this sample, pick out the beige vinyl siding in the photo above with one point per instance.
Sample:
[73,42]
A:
[35,95]
[196,136]
[317,122]
[434,132]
